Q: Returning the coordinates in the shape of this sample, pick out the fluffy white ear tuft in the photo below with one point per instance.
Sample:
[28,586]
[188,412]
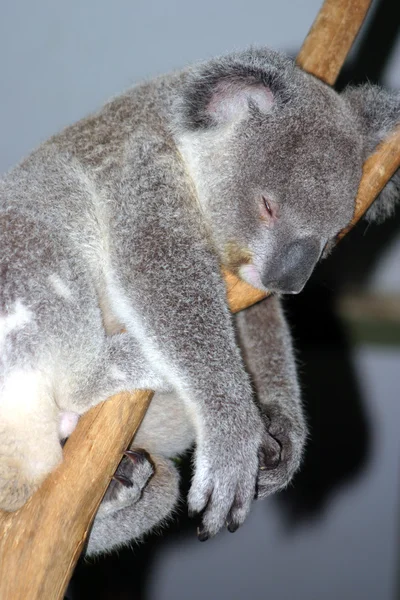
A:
[231,100]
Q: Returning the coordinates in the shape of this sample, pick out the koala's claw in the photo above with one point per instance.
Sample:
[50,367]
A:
[134,471]
[122,480]
[138,455]
[232,526]
[202,535]
[271,454]
[227,508]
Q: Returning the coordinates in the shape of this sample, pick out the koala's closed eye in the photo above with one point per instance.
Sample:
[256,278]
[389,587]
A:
[268,206]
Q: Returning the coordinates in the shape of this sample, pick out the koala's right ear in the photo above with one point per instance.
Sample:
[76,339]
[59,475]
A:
[231,100]
[378,113]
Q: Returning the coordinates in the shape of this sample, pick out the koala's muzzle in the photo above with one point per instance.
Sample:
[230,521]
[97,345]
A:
[289,269]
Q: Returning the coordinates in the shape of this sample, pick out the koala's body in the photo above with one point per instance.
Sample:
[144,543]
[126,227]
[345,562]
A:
[124,220]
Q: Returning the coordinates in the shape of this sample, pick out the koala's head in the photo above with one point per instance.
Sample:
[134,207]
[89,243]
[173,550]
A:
[276,158]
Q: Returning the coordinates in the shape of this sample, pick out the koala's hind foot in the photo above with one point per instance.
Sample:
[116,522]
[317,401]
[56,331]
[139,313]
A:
[142,494]
[129,480]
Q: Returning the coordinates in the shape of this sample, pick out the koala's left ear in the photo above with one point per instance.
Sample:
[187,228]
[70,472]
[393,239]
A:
[378,113]
[212,100]
[231,99]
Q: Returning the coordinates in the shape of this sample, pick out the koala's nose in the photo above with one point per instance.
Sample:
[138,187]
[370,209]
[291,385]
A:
[291,266]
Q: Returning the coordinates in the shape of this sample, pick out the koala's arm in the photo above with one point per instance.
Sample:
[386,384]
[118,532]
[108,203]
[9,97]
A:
[268,352]
[173,299]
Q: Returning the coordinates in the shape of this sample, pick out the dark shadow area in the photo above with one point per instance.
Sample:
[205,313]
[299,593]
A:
[339,432]
[338,442]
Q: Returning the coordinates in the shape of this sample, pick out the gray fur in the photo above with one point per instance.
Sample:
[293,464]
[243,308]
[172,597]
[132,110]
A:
[124,220]
[377,111]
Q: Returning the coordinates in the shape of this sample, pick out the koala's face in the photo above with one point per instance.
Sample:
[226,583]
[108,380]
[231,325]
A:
[276,176]
[282,193]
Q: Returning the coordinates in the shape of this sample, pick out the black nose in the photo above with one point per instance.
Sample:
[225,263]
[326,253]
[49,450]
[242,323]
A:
[291,266]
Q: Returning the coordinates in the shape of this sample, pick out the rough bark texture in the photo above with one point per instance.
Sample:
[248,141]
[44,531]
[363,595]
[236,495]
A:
[331,36]
[377,170]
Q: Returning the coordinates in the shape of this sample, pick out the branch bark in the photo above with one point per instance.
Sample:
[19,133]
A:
[331,36]
[40,543]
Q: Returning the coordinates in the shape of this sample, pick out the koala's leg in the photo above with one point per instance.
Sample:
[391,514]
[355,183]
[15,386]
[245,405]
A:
[267,348]
[142,495]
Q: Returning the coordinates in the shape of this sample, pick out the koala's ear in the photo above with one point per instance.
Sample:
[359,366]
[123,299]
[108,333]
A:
[210,100]
[229,88]
[232,99]
[378,113]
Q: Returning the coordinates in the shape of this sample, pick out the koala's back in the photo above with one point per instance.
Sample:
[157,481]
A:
[62,210]
[76,171]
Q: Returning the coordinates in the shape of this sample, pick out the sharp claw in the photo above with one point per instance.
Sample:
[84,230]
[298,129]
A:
[232,527]
[202,536]
[123,480]
[270,460]
[138,455]
[133,455]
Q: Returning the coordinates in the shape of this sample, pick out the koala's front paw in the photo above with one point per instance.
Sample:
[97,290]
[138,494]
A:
[225,477]
[281,450]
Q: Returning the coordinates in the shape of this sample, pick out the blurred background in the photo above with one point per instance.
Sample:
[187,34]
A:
[335,532]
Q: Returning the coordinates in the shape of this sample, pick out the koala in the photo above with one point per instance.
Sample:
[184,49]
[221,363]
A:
[123,221]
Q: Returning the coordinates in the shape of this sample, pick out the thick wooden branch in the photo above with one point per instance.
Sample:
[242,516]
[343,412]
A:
[377,171]
[40,544]
[331,36]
